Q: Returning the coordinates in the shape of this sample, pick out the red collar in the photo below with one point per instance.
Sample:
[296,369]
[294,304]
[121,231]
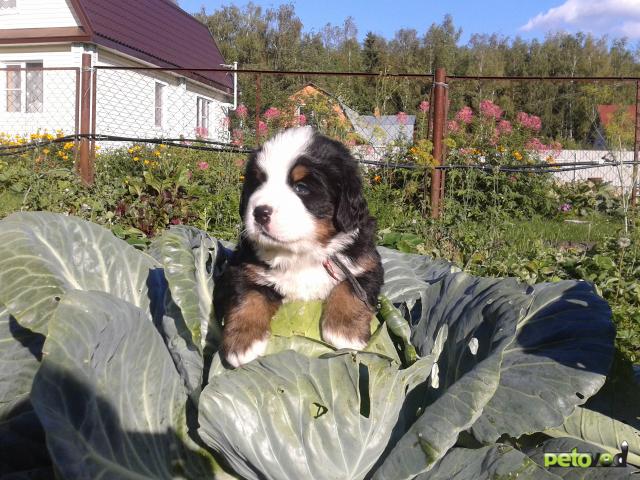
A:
[329,268]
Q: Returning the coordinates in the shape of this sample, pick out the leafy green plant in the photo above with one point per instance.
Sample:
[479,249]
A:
[114,366]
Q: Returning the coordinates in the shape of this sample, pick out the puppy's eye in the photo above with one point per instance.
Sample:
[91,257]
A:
[301,188]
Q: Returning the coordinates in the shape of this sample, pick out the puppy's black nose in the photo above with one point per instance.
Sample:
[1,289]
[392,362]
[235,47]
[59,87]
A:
[262,214]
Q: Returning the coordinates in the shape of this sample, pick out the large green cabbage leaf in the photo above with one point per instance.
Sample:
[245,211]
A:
[23,453]
[43,255]
[188,257]
[109,396]
[486,463]
[517,359]
[291,416]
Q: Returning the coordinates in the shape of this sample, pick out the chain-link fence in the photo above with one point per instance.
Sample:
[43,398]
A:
[36,100]
[563,130]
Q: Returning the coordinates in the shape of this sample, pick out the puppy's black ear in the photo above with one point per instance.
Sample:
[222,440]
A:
[250,183]
[351,211]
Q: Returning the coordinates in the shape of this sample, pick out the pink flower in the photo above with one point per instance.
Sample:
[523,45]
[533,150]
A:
[532,122]
[504,127]
[203,165]
[490,110]
[242,111]
[302,119]
[453,126]
[262,128]
[565,207]
[402,118]
[176,221]
[424,106]
[465,115]
[271,113]
[237,137]
[537,145]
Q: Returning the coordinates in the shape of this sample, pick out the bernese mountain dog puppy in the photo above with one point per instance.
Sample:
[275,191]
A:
[307,235]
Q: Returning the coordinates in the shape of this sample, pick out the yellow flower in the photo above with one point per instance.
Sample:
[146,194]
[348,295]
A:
[156,153]
[98,147]
[242,178]
[68,146]
[60,153]
[46,151]
[517,155]
[146,162]
[377,179]
[135,159]
[65,157]
[501,149]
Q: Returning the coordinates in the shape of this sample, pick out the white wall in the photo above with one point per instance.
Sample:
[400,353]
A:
[59,99]
[607,170]
[126,103]
[39,14]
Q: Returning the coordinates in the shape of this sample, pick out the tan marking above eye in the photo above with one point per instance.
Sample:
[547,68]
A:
[298,173]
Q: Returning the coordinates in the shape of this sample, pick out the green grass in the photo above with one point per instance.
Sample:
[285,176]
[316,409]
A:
[528,235]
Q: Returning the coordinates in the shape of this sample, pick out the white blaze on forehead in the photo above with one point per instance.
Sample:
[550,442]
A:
[279,154]
[290,221]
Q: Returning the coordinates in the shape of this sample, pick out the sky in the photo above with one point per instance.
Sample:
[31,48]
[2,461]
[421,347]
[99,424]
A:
[526,18]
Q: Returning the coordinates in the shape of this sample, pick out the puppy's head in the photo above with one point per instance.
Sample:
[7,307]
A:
[302,190]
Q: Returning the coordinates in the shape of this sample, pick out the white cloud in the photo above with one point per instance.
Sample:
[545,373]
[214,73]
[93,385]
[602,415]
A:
[612,17]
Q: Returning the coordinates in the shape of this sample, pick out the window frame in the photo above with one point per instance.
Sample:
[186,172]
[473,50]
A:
[162,108]
[10,10]
[16,67]
[24,68]
[200,125]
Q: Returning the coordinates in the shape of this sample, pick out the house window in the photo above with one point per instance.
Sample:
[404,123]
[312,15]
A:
[14,88]
[159,118]
[7,6]
[202,129]
[25,87]
[35,87]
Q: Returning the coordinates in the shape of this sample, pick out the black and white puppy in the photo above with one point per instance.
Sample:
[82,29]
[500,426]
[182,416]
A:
[307,235]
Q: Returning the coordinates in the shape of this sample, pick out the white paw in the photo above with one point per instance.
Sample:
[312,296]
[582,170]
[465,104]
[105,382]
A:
[339,341]
[255,350]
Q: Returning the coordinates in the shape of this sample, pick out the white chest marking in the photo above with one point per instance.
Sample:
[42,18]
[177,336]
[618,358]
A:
[301,282]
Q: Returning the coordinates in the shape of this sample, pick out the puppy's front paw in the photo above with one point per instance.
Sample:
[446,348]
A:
[241,351]
[342,340]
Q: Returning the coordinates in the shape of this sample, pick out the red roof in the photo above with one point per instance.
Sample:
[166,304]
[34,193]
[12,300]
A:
[606,112]
[155,31]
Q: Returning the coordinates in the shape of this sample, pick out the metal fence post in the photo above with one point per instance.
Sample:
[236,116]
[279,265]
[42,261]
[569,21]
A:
[258,106]
[439,107]
[84,166]
[636,146]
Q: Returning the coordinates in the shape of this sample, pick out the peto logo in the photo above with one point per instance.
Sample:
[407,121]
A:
[586,460]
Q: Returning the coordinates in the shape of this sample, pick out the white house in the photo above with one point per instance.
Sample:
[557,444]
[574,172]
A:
[42,45]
